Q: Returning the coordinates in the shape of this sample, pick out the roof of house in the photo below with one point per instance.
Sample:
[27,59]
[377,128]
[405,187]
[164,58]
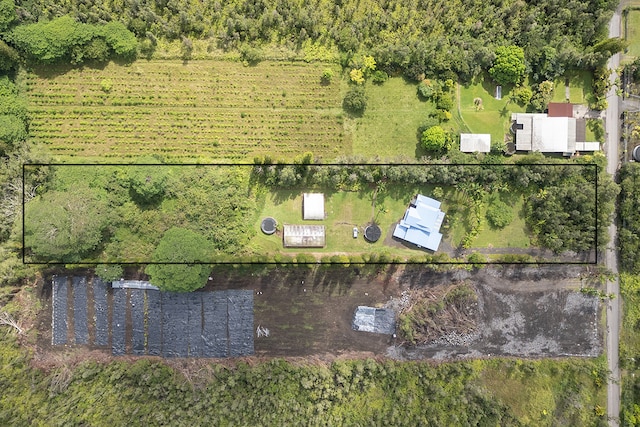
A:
[313,206]
[421,223]
[303,236]
[539,132]
[560,109]
[475,142]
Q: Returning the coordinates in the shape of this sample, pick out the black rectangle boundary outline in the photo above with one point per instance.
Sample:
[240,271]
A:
[595,166]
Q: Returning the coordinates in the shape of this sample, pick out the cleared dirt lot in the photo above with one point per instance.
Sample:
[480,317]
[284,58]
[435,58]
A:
[521,311]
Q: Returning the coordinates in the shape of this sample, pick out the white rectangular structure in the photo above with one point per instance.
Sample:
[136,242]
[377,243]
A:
[313,206]
[475,142]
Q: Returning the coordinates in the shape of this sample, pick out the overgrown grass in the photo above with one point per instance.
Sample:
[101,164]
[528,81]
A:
[544,392]
[630,348]
[514,235]
[494,116]
[347,392]
[389,125]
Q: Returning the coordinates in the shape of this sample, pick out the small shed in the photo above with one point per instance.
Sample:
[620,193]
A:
[371,319]
[313,206]
[560,109]
[303,236]
[475,142]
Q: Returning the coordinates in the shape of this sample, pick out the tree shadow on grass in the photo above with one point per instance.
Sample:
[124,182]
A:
[51,71]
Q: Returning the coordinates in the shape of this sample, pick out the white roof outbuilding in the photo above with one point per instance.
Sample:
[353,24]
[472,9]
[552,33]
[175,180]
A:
[475,142]
[313,206]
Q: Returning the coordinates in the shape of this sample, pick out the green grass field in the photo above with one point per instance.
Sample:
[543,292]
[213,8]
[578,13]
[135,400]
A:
[343,210]
[633,33]
[580,87]
[389,125]
[495,116]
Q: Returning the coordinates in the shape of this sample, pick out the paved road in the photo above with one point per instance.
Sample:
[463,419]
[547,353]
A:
[611,256]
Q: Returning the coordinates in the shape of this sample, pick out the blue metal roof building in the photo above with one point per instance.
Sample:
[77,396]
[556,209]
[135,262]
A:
[421,223]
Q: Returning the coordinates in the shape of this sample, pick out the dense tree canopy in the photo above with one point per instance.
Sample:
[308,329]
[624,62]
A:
[508,67]
[437,37]
[629,232]
[66,39]
[64,226]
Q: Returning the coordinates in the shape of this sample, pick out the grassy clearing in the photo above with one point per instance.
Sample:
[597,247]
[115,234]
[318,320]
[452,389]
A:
[344,210]
[580,87]
[514,235]
[494,116]
[199,109]
[389,126]
[632,34]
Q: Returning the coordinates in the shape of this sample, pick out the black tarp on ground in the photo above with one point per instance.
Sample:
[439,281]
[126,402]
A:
[175,323]
[59,312]
[137,320]
[214,329]
[194,305]
[118,319]
[80,325]
[240,323]
[154,323]
[100,308]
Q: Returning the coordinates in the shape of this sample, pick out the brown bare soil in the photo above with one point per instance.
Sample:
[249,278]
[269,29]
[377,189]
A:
[521,311]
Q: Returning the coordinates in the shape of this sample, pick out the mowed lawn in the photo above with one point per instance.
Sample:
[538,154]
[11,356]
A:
[343,211]
[633,33]
[495,115]
[580,87]
[389,126]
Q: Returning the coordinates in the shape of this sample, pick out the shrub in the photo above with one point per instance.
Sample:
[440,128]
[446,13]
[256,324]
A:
[435,139]
[357,76]
[445,102]
[379,77]
[355,101]
[426,89]
[499,213]
[521,95]
[109,272]
[106,85]
[477,259]
[327,75]
[250,55]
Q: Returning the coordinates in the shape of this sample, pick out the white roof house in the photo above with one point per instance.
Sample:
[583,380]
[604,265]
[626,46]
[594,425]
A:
[475,142]
[313,206]
[539,132]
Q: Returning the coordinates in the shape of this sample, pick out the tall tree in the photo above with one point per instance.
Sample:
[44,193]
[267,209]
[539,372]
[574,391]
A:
[508,67]
[64,226]
[189,251]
